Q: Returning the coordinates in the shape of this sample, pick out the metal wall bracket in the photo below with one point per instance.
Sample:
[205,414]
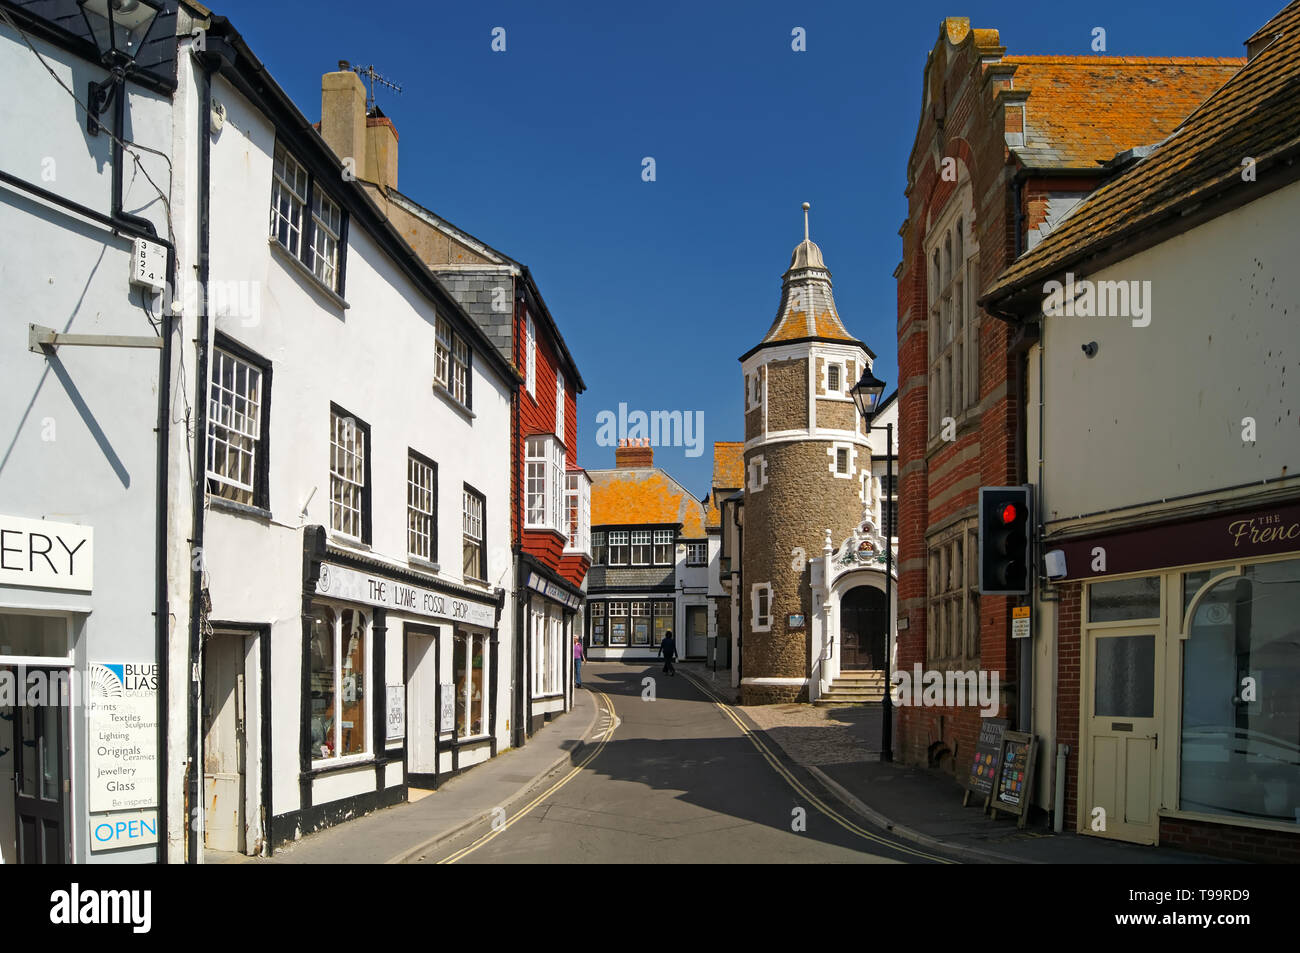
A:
[43,340]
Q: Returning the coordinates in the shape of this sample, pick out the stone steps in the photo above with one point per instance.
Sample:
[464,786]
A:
[855,688]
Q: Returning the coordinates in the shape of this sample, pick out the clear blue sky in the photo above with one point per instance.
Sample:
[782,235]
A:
[660,286]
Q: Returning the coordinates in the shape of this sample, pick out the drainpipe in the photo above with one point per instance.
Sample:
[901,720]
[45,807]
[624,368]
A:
[208,63]
[1058,810]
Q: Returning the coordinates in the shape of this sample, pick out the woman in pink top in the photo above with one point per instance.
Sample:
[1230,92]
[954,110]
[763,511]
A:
[578,656]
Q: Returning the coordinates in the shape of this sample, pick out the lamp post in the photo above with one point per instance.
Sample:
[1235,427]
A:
[867,393]
[118,27]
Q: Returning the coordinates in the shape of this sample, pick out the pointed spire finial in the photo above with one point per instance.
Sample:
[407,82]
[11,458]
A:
[806,207]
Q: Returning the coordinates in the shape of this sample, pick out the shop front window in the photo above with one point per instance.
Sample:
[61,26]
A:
[1240,752]
[33,636]
[338,682]
[469,667]
[597,624]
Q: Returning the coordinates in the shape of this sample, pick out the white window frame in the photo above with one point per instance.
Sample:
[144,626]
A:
[470,642]
[577,512]
[297,200]
[664,538]
[559,404]
[530,354]
[697,554]
[367,688]
[760,594]
[347,475]
[473,531]
[851,455]
[544,484]
[620,538]
[421,508]
[238,433]
[645,543]
[754,390]
[757,473]
[452,363]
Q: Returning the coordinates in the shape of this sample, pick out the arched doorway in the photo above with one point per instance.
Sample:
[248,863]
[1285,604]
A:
[864,621]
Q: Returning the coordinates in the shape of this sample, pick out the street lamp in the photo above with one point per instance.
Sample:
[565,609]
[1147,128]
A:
[866,395]
[119,27]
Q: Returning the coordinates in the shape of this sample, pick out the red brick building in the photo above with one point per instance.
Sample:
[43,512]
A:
[1005,147]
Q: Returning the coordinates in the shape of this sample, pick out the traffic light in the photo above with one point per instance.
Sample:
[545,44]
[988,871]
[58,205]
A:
[1004,540]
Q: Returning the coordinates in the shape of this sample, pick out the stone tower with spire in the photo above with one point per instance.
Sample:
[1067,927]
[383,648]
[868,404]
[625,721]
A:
[805,458]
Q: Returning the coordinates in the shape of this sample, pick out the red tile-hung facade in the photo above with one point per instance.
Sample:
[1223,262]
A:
[1005,147]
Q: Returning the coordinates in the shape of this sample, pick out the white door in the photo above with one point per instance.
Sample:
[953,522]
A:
[223,743]
[1121,700]
[421,701]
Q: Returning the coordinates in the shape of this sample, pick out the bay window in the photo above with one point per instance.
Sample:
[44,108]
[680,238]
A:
[544,463]
[578,512]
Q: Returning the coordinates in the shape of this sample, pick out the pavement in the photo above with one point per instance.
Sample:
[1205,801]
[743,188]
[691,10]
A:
[401,833]
[697,777]
[840,747]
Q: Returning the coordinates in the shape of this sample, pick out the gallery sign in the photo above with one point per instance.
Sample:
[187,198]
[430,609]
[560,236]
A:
[1241,535]
[122,712]
[45,554]
[338,582]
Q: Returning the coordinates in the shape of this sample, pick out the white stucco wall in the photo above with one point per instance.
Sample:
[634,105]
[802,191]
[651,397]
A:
[77,431]
[375,359]
[1158,412]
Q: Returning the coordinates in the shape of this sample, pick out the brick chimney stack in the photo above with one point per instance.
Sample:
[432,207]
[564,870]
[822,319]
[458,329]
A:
[634,453]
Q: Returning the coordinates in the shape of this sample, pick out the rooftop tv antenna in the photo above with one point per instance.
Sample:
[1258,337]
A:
[370,73]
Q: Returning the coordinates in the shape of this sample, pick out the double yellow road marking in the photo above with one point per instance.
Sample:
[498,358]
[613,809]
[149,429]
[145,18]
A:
[800,788]
[573,772]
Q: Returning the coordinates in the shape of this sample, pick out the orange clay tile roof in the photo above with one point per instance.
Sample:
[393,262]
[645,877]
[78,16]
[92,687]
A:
[1083,110]
[712,515]
[1257,113]
[634,496]
[728,464]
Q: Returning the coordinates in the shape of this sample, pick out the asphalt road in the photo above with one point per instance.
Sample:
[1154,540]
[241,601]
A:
[675,780]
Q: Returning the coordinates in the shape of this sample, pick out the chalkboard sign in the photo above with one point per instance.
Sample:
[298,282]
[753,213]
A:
[988,756]
[1015,778]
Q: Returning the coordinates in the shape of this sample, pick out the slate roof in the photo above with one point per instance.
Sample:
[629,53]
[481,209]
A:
[644,496]
[1256,113]
[1084,110]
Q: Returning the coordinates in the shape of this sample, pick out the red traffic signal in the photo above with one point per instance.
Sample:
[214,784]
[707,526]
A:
[1008,514]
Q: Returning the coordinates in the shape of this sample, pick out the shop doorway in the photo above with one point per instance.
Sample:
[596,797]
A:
[33,752]
[225,743]
[863,628]
[697,631]
[422,707]
[1121,699]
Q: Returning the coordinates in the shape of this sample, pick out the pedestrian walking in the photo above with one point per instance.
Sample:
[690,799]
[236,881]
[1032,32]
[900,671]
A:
[578,656]
[668,649]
